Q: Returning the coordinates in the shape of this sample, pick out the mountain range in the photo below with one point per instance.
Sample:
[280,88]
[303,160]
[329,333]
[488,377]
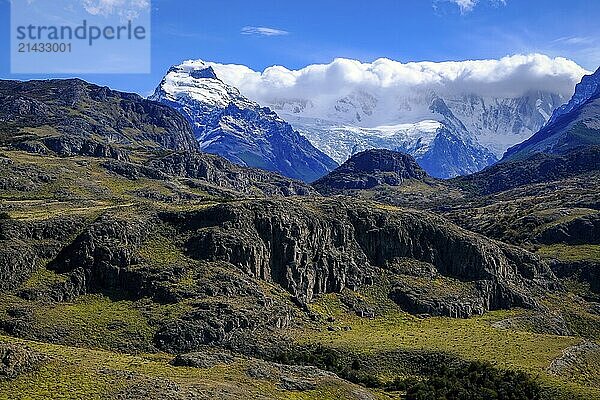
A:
[453,125]
[431,127]
[134,265]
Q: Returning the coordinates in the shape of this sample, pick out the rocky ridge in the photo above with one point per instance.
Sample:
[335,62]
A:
[211,172]
[572,126]
[308,251]
[72,117]
[371,168]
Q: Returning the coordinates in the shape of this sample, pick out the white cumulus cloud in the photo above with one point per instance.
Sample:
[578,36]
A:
[127,9]
[467,6]
[510,76]
[262,31]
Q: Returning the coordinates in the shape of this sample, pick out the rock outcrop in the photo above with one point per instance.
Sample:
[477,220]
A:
[313,249]
[582,230]
[332,245]
[212,174]
[71,146]
[371,168]
[17,359]
[584,272]
[220,172]
[24,243]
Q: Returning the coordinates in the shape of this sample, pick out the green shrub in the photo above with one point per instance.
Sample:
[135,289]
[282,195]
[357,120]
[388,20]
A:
[476,380]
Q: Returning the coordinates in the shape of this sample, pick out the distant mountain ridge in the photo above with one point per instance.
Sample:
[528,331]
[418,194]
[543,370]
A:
[575,124]
[495,123]
[536,168]
[228,124]
[138,138]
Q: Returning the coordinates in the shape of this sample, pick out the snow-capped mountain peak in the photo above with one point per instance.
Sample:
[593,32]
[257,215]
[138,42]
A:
[198,82]
[228,124]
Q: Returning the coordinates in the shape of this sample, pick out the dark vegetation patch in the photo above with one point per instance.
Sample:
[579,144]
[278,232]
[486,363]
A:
[452,379]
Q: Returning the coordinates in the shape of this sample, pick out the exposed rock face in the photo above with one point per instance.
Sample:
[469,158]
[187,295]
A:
[71,146]
[475,300]
[371,168]
[106,256]
[450,155]
[421,303]
[215,325]
[22,244]
[72,117]
[100,256]
[306,248]
[17,261]
[17,359]
[21,178]
[572,357]
[541,322]
[583,230]
[311,251]
[302,250]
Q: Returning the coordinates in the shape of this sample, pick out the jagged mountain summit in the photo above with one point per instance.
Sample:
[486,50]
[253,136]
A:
[228,124]
[584,90]
[574,125]
[371,168]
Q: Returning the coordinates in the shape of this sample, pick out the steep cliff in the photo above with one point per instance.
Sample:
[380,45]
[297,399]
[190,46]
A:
[313,248]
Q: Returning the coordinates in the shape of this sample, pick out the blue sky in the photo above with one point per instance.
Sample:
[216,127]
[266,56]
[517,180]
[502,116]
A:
[261,33]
